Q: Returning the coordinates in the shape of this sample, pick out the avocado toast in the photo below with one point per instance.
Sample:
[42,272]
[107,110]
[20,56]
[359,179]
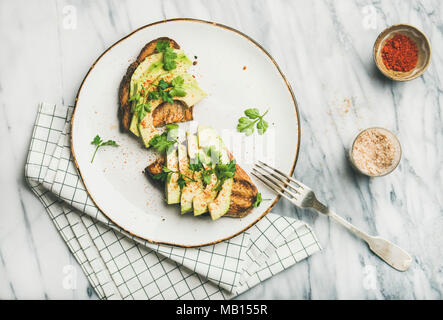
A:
[227,189]
[200,174]
[156,90]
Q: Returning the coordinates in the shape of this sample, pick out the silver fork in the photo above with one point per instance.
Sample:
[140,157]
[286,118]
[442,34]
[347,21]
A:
[303,197]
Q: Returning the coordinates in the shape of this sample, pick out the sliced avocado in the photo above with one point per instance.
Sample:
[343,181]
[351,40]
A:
[207,137]
[147,73]
[189,192]
[148,70]
[210,144]
[134,125]
[134,122]
[192,143]
[193,95]
[172,188]
[191,187]
[147,129]
[152,67]
[201,201]
[220,205]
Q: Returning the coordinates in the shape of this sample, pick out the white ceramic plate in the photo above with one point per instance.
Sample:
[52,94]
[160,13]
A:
[237,74]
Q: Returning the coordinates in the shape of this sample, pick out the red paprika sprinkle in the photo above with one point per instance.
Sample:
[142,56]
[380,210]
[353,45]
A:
[400,53]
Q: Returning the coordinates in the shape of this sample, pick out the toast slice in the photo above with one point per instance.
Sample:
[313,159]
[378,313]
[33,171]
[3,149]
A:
[165,113]
[244,192]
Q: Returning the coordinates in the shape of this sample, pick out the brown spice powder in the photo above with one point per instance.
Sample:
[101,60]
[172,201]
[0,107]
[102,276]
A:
[374,152]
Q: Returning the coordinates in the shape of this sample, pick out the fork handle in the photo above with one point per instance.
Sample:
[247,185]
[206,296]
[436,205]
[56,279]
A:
[349,226]
[392,254]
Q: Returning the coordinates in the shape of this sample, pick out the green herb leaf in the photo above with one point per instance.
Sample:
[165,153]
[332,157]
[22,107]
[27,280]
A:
[252,113]
[161,142]
[262,126]
[207,177]
[135,97]
[110,143]
[171,126]
[258,200]
[177,81]
[166,96]
[162,84]
[169,65]
[247,124]
[161,176]
[181,182]
[98,142]
[196,165]
[153,95]
[177,92]
[169,57]
[162,45]
[213,154]
[223,172]
[166,175]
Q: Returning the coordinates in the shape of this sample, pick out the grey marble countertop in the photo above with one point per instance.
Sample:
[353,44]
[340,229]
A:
[325,50]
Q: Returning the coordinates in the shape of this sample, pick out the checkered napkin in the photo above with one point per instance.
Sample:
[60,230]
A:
[121,266]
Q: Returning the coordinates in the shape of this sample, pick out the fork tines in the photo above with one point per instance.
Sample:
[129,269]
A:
[277,181]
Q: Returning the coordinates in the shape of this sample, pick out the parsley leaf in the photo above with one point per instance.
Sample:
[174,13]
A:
[177,82]
[166,91]
[169,55]
[245,125]
[177,92]
[166,175]
[258,200]
[166,140]
[98,142]
[162,45]
[253,118]
[161,142]
[195,165]
[141,109]
[136,97]
[162,84]
[181,181]
[163,176]
[153,95]
[213,154]
[224,172]
[252,113]
[171,126]
[207,176]
[262,126]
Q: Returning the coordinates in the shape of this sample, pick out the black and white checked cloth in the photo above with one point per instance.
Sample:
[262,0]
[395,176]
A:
[121,266]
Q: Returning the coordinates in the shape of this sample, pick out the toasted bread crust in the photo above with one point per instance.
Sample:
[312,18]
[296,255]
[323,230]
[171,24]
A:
[244,192]
[124,111]
[171,113]
[243,196]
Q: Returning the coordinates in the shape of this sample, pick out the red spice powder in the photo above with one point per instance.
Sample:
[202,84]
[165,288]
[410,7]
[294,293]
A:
[400,53]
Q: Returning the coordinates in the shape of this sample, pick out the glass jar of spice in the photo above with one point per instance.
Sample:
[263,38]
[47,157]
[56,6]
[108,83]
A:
[375,152]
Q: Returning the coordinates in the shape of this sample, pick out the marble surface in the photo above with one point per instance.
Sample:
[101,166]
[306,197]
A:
[325,50]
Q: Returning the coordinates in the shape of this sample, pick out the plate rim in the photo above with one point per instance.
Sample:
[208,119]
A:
[288,85]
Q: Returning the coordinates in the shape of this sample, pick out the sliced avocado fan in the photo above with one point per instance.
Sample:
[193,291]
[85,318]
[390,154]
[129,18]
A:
[146,78]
